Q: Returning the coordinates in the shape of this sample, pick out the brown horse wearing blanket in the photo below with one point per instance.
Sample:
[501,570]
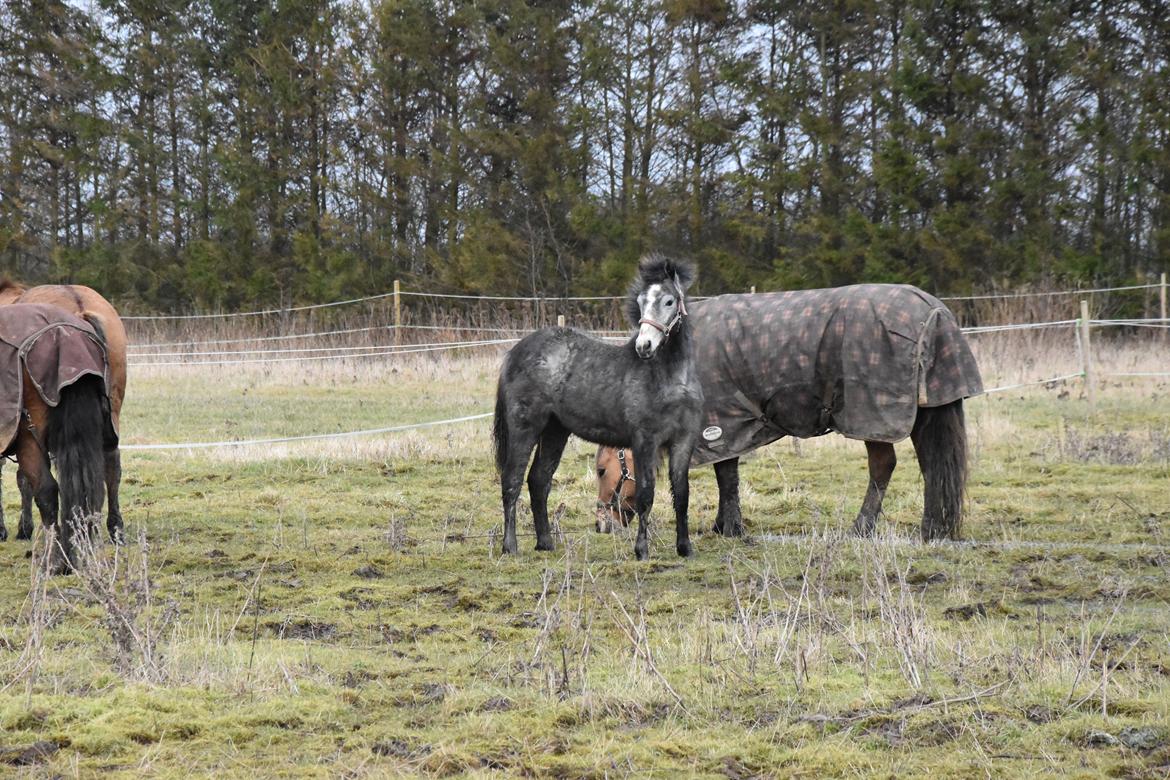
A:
[54,407]
[89,305]
[872,362]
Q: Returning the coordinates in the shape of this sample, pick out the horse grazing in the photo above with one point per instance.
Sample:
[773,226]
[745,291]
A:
[644,395]
[53,404]
[615,488]
[872,362]
[89,305]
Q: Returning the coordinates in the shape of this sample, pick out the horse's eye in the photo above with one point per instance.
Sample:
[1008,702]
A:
[670,301]
[600,473]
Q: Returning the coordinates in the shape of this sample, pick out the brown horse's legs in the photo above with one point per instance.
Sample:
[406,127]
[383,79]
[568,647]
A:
[34,467]
[882,460]
[113,480]
[24,531]
[728,521]
[544,465]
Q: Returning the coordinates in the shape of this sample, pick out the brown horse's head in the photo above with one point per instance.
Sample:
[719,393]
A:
[615,488]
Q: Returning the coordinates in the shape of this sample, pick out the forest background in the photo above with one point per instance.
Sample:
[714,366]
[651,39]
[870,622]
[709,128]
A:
[213,154]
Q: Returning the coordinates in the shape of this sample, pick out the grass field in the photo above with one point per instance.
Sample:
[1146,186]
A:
[339,608]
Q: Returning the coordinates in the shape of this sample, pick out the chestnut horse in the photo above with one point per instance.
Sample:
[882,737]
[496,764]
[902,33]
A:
[53,403]
[91,306]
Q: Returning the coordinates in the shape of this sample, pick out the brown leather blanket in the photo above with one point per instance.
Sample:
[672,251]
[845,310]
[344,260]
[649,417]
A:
[857,360]
[56,347]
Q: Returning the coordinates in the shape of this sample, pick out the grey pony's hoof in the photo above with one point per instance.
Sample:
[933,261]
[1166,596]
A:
[510,548]
[640,551]
[545,545]
[684,549]
[117,534]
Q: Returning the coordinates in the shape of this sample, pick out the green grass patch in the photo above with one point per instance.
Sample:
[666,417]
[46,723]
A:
[328,612]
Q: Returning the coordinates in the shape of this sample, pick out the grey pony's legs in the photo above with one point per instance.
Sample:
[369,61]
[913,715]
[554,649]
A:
[680,489]
[644,452]
[544,465]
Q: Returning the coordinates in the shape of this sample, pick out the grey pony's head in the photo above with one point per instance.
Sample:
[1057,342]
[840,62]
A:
[656,302]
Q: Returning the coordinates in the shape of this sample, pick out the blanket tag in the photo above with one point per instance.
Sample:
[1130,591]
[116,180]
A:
[712,433]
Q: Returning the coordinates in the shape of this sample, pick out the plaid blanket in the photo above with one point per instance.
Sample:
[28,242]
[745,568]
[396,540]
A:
[57,348]
[857,360]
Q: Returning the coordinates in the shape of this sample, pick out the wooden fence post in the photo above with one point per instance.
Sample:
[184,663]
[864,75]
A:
[753,289]
[1087,354]
[560,320]
[397,313]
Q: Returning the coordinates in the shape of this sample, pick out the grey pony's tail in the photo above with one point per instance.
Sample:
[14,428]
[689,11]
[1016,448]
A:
[940,442]
[500,423]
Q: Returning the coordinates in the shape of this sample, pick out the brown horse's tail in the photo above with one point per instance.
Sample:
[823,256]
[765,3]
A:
[75,436]
[98,323]
[940,441]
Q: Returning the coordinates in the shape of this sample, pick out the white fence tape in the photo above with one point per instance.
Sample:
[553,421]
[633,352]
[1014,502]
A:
[1049,294]
[258,312]
[294,354]
[1005,388]
[975,330]
[533,299]
[570,298]
[329,333]
[403,350]
[203,445]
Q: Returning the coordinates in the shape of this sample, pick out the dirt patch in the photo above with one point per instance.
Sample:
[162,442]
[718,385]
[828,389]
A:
[370,572]
[1040,714]
[926,577]
[978,609]
[306,629]
[464,603]
[496,704]
[36,753]
[356,679]
[525,620]
[399,748]
[431,693]
[360,598]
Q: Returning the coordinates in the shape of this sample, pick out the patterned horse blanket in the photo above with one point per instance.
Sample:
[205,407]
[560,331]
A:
[56,347]
[857,360]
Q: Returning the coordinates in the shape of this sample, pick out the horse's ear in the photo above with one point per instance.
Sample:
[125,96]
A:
[684,276]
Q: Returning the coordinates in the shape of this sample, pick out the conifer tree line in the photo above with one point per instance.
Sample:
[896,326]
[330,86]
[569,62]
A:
[182,154]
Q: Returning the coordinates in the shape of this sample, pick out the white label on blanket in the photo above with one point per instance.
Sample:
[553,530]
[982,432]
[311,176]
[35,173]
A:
[712,433]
